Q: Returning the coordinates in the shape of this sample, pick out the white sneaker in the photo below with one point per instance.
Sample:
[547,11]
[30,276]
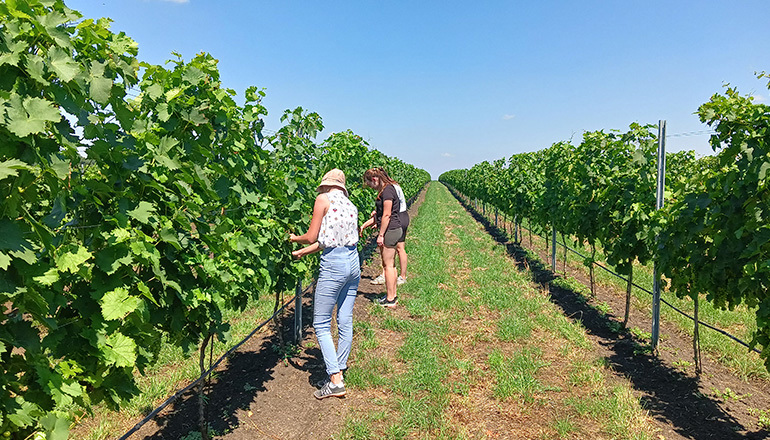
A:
[379,280]
[400,280]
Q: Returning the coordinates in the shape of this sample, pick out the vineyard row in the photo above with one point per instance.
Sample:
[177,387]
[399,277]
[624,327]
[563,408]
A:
[130,220]
[710,238]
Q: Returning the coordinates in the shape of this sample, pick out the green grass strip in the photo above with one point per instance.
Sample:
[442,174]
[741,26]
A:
[741,321]
[476,324]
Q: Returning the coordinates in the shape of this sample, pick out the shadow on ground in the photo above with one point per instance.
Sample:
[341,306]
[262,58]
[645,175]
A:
[669,395]
[238,384]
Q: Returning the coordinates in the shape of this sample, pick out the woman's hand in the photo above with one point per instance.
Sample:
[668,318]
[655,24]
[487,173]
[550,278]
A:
[307,250]
[366,224]
[380,240]
[292,238]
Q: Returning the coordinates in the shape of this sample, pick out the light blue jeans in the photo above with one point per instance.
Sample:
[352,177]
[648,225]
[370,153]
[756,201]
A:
[337,284]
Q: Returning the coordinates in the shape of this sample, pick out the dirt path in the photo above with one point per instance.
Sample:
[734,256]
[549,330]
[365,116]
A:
[257,394]
[260,395]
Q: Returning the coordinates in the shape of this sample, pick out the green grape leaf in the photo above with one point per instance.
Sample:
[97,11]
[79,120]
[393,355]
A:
[73,388]
[36,68]
[11,236]
[71,261]
[9,58]
[118,303]
[166,144]
[167,162]
[173,93]
[28,255]
[10,168]
[145,291]
[194,116]
[121,43]
[56,427]
[120,350]
[163,114]
[142,212]
[49,277]
[61,62]
[170,236]
[193,76]
[100,89]
[24,413]
[58,212]
[30,117]
[124,113]
[112,258]
[763,170]
[154,91]
[60,166]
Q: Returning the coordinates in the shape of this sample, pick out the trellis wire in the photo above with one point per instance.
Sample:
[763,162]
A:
[176,395]
[667,303]
[661,300]
[718,330]
[297,330]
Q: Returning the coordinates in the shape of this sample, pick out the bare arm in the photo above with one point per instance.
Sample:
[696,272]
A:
[320,208]
[387,206]
[307,250]
[366,224]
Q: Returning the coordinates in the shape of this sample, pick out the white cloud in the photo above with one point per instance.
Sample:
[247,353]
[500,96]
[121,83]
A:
[759,98]
[508,117]
[446,155]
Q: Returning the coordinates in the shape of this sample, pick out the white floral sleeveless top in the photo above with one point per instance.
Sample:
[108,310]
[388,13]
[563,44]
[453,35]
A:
[339,226]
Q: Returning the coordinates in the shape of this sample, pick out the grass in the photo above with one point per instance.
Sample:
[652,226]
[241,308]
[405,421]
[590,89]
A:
[517,375]
[513,326]
[564,428]
[472,340]
[740,322]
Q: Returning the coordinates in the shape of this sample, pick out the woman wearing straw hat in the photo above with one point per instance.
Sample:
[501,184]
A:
[333,230]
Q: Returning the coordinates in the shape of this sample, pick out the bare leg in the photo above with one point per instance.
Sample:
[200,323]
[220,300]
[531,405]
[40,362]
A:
[401,249]
[388,263]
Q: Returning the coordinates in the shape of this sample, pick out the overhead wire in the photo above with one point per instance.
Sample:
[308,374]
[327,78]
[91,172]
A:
[691,133]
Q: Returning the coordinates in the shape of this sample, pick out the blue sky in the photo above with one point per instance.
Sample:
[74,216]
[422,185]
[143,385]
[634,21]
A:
[448,84]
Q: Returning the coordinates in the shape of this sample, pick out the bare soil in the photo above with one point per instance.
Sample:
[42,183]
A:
[683,404]
[260,394]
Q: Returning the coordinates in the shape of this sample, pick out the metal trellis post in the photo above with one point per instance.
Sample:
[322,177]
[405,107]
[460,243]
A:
[553,250]
[658,205]
[298,313]
[515,228]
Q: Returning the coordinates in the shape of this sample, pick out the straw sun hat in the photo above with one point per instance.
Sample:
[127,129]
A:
[336,178]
